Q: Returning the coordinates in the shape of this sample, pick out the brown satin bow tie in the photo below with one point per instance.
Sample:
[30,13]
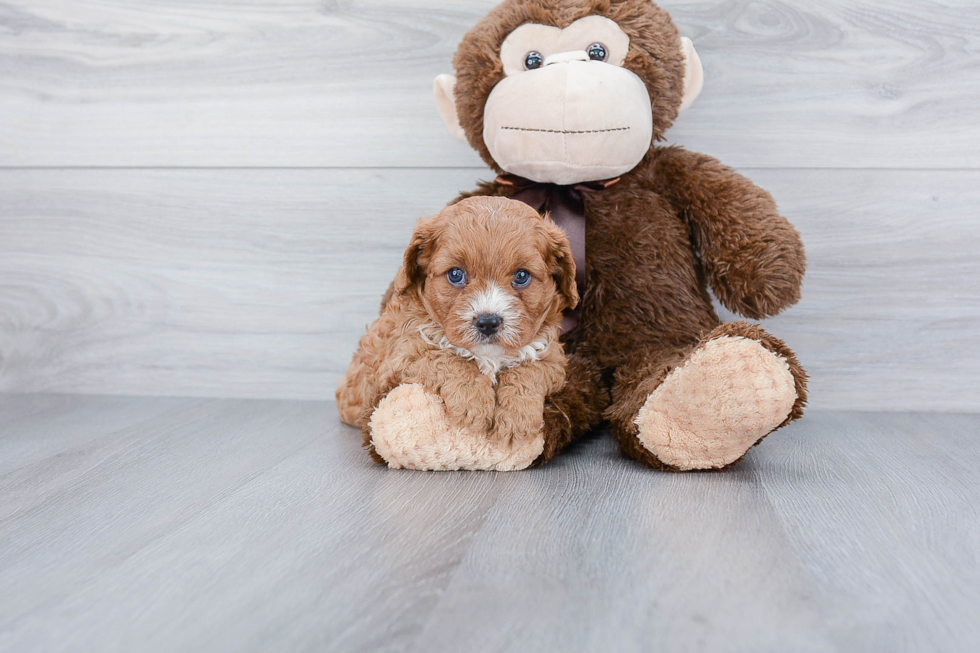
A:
[567,210]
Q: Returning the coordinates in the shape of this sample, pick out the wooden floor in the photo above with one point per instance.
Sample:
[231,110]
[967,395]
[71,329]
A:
[141,524]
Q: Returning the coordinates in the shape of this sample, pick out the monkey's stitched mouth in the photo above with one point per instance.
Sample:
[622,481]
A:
[563,131]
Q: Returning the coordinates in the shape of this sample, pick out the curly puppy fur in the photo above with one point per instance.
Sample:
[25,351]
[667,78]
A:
[446,395]
[675,224]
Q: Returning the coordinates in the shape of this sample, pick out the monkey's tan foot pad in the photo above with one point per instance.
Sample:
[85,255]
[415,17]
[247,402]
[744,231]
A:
[729,394]
[410,430]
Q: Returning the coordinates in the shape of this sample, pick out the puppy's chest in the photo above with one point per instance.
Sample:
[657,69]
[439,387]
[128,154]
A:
[492,359]
[489,359]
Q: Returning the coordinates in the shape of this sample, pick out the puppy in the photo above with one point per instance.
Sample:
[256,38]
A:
[455,371]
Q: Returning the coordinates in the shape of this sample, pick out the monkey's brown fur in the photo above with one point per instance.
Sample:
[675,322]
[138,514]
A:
[676,223]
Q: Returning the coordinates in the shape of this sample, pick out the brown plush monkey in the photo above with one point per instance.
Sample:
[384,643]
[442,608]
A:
[566,99]
[564,93]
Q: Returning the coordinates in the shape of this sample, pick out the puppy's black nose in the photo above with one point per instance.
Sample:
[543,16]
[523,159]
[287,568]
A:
[487,323]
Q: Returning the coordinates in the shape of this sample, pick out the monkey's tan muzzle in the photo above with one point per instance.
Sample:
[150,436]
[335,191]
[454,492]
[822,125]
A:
[569,122]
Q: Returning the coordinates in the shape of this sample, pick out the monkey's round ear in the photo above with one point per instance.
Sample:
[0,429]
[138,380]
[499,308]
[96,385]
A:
[445,90]
[693,73]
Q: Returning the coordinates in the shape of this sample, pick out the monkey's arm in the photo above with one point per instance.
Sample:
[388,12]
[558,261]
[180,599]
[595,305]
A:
[752,255]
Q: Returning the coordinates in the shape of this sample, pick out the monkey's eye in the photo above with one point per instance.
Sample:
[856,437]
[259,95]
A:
[522,279]
[533,60]
[597,52]
[456,277]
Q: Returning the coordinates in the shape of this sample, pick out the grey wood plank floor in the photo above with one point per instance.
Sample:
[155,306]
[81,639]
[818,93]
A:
[216,524]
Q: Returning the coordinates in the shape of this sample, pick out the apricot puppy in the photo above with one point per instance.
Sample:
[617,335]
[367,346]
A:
[455,371]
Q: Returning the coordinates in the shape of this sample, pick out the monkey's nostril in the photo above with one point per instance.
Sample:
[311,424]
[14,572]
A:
[487,323]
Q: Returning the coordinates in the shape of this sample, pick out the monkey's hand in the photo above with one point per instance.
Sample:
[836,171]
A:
[752,255]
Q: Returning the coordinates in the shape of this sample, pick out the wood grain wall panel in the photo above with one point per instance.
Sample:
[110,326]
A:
[790,83]
[257,283]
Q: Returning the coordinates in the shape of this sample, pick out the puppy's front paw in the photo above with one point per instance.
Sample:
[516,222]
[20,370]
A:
[519,424]
[410,429]
[469,407]
[474,418]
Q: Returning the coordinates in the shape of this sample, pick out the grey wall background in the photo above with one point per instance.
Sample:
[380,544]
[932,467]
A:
[207,197]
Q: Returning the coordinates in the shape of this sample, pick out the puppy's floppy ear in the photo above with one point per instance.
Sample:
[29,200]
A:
[411,277]
[562,263]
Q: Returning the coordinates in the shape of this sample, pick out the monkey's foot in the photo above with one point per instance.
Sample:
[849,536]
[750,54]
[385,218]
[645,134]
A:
[410,430]
[728,395]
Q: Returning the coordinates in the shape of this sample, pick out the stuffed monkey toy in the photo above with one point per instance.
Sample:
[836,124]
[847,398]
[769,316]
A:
[566,100]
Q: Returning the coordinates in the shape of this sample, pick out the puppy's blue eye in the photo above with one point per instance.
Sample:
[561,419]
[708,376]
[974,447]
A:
[457,277]
[522,278]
